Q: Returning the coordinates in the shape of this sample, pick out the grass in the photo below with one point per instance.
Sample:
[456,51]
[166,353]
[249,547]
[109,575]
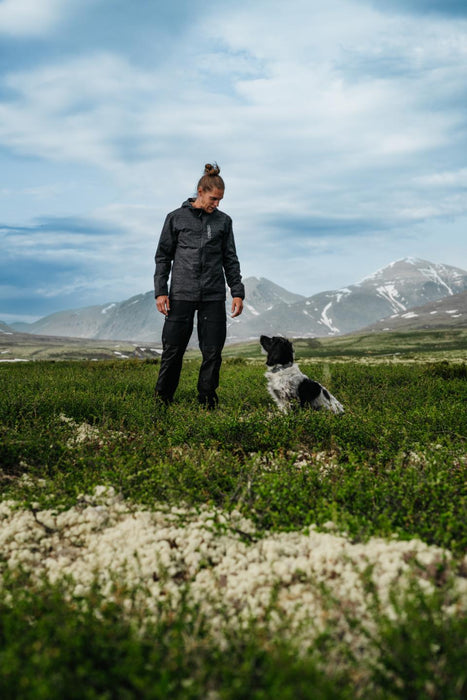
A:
[31,347]
[420,346]
[393,464]
[397,457]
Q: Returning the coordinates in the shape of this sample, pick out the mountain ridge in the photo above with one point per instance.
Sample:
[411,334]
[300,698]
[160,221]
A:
[272,309]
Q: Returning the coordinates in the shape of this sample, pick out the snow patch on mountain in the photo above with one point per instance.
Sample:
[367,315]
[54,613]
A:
[431,273]
[390,292]
[326,320]
[251,309]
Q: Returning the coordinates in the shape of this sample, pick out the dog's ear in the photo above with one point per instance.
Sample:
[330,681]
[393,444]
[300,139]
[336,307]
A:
[265,342]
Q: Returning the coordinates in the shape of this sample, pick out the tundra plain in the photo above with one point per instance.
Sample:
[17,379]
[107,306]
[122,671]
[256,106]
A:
[152,552]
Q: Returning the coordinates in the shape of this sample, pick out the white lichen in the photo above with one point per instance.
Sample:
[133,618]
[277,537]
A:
[219,560]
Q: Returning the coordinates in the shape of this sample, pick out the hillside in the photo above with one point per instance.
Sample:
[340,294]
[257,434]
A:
[18,347]
[401,346]
[449,312]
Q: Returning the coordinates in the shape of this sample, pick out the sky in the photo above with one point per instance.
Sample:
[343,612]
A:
[340,129]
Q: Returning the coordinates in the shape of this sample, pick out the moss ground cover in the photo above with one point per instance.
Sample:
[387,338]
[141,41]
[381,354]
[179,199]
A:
[394,464]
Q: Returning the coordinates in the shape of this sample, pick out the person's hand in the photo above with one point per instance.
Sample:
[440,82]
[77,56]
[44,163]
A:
[237,306]
[163,304]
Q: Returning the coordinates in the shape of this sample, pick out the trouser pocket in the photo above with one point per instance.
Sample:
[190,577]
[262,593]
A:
[178,325]
[212,325]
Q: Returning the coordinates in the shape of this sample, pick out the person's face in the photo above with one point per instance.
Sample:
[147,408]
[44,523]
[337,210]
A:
[209,199]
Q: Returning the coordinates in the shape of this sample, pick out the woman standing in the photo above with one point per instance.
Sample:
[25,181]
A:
[197,250]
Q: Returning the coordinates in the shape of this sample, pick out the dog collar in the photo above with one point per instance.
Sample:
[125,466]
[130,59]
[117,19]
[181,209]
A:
[279,368]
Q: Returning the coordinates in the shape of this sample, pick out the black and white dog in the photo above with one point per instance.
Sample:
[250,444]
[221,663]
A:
[287,384]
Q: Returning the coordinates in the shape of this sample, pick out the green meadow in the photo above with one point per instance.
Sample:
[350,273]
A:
[393,467]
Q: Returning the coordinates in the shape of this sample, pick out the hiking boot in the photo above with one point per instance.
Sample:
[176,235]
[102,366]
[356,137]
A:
[209,401]
[162,400]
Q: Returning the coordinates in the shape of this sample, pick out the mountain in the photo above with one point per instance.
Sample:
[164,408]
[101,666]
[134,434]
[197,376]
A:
[5,329]
[138,319]
[133,319]
[396,288]
[449,312]
[271,309]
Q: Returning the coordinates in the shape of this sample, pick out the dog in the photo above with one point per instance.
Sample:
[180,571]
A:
[287,384]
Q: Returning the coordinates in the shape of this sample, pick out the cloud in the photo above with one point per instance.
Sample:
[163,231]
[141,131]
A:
[46,254]
[30,18]
[68,262]
[312,227]
[73,112]
[333,123]
[332,111]
[456,178]
[455,8]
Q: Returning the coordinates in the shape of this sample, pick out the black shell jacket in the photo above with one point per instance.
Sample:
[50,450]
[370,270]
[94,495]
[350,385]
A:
[198,248]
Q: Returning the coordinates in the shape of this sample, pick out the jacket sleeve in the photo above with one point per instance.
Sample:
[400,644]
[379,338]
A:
[231,265]
[164,256]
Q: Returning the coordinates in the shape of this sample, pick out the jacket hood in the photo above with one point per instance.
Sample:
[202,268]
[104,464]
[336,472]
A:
[188,204]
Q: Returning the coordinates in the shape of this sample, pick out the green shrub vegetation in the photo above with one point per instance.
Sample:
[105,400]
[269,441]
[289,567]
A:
[52,649]
[393,464]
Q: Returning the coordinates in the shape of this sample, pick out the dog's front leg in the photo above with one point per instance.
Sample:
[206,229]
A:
[282,403]
[278,399]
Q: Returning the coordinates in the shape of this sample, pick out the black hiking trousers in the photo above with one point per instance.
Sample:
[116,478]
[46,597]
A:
[177,330]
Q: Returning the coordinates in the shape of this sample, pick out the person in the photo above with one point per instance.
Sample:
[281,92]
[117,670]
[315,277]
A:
[197,250]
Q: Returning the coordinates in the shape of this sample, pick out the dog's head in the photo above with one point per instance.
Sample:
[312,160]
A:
[279,350]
